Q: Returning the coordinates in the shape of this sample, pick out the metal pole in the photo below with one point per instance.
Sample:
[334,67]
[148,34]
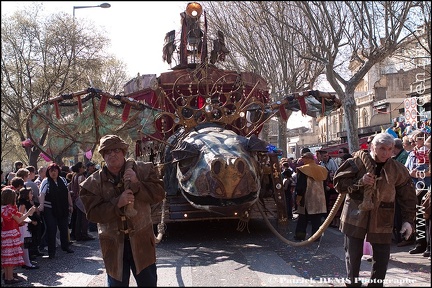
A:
[103,5]
[74,74]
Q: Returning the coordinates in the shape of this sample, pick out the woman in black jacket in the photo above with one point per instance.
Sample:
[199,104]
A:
[56,205]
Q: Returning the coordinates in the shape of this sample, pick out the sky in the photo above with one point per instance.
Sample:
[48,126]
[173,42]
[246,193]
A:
[136,29]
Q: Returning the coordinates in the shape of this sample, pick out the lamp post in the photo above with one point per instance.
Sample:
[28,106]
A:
[103,5]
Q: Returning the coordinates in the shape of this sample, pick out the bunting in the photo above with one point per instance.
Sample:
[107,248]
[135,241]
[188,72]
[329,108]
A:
[57,109]
[103,103]
[302,104]
[126,112]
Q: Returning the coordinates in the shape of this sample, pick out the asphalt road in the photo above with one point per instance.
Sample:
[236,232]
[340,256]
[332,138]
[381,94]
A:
[214,253]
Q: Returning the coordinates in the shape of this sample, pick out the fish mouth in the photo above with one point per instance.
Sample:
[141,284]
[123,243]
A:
[228,207]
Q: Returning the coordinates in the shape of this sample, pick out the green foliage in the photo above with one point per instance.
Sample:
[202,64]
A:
[48,55]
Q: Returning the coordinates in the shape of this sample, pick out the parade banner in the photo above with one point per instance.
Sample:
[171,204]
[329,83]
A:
[411,111]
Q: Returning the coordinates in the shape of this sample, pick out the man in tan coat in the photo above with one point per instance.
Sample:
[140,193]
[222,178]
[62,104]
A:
[127,239]
[311,200]
[373,182]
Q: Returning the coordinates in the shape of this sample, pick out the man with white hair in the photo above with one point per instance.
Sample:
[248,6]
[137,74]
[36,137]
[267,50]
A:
[373,182]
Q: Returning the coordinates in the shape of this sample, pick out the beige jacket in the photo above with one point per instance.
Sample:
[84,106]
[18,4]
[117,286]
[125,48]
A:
[394,184]
[310,188]
[100,197]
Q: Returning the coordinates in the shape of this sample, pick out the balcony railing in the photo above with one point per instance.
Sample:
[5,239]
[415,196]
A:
[364,97]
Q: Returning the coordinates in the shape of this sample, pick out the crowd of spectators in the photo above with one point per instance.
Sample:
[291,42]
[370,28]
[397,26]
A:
[49,225]
[61,219]
[412,150]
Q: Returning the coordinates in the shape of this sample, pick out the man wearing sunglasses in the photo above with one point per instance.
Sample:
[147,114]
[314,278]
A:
[127,241]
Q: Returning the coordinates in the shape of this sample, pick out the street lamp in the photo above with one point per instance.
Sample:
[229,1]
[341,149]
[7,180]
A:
[103,5]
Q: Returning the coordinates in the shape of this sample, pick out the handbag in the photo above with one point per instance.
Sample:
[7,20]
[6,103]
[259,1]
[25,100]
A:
[367,248]
[27,242]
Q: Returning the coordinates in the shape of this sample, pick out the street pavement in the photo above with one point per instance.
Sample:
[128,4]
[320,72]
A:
[214,253]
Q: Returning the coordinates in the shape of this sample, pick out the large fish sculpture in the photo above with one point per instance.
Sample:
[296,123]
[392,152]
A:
[199,124]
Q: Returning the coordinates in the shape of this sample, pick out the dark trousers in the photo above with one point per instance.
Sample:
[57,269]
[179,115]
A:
[52,223]
[73,221]
[92,227]
[146,278]
[302,222]
[43,242]
[36,232]
[81,225]
[353,255]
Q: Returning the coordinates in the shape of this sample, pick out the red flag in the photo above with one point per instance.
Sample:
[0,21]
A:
[302,104]
[126,112]
[57,109]
[282,112]
[103,103]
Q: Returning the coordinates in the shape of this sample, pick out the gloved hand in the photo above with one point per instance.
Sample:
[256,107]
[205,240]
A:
[406,230]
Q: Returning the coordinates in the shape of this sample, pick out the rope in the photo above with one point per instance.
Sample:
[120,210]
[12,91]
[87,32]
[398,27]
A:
[364,156]
[317,234]
[368,195]
[161,226]
[242,224]
[129,208]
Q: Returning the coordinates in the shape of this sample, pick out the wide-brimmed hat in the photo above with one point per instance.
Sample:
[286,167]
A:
[109,142]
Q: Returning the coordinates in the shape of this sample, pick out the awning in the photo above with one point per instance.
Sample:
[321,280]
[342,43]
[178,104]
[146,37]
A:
[333,150]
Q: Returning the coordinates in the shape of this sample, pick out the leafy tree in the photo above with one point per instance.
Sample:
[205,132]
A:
[46,56]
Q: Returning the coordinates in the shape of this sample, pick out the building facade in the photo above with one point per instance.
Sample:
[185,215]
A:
[395,92]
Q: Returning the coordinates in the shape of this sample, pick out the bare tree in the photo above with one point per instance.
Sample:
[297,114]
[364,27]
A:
[423,13]
[367,31]
[11,149]
[260,43]
[326,35]
[45,57]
